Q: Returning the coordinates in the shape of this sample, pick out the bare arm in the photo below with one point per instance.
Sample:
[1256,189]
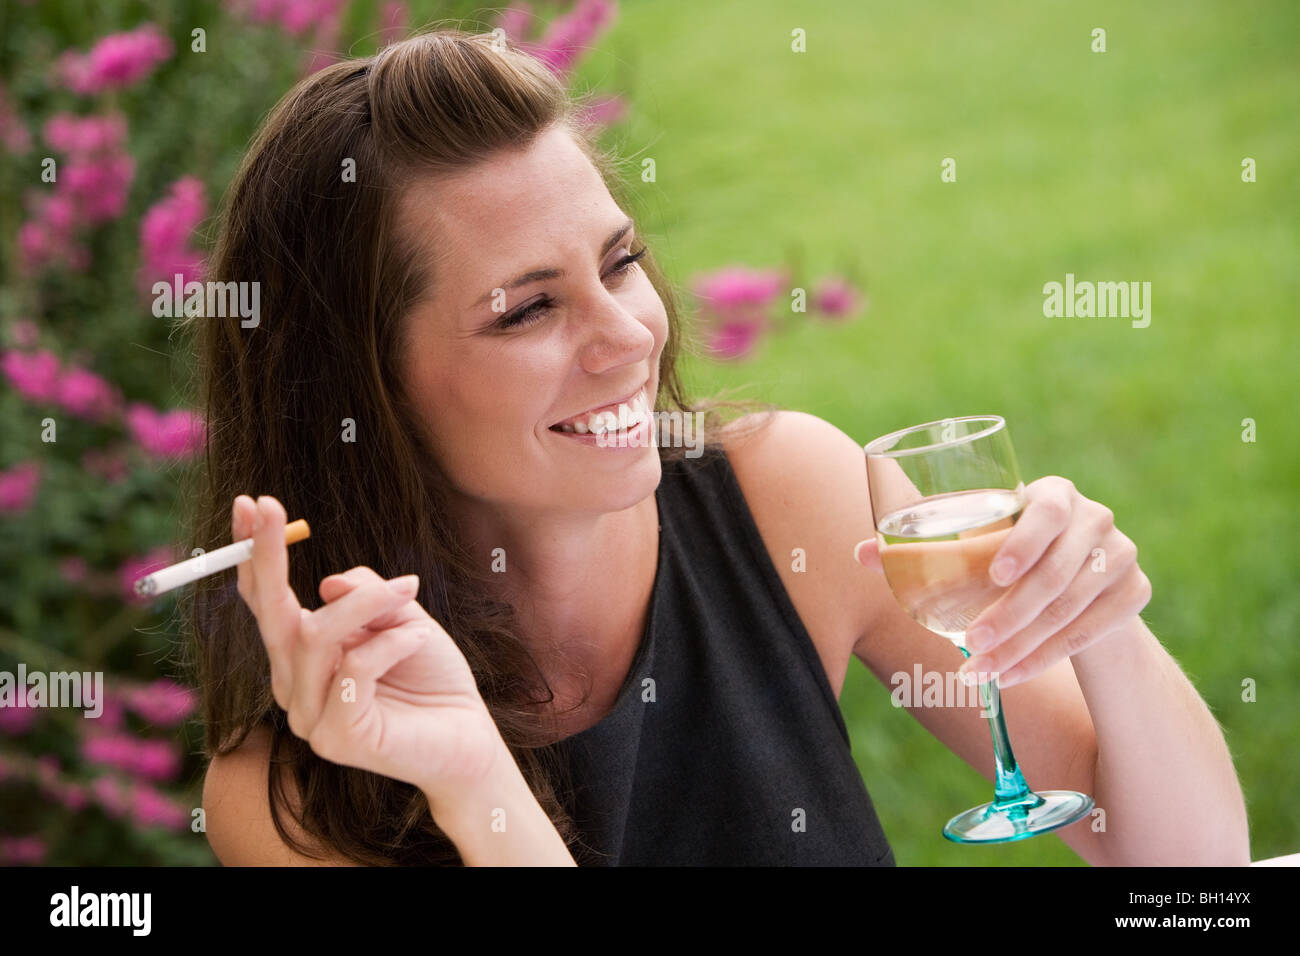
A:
[240,831]
[1163,772]
[237,816]
[502,823]
[1117,720]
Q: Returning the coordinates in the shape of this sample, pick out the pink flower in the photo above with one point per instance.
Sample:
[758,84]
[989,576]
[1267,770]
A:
[165,233]
[164,702]
[395,20]
[113,713]
[72,134]
[18,487]
[99,186]
[116,61]
[110,795]
[92,188]
[72,796]
[735,338]
[109,465]
[151,759]
[295,17]
[571,35]
[835,298]
[13,131]
[73,569]
[604,111]
[157,760]
[325,41]
[735,287]
[149,807]
[516,21]
[25,334]
[135,568]
[178,433]
[33,375]
[299,15]
[39,246]
[16,720]
[47,769]
[19,851]
[59,213]
[87,395]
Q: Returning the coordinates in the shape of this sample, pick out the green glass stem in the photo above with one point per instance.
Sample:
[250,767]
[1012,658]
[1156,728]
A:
[1012,793]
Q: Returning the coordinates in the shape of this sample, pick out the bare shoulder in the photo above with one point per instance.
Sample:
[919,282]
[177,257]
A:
[806,486]
[237,810]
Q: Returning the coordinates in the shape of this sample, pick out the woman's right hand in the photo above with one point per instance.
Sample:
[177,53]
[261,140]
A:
[369,680]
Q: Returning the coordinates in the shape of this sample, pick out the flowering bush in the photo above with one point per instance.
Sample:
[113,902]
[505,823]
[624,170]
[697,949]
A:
[738,306]
[114,147]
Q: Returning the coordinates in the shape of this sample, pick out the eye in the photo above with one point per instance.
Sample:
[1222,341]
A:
[533,313]
[526,316]
[625,264]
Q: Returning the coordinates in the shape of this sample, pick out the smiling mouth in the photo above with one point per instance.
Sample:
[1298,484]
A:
[626,414]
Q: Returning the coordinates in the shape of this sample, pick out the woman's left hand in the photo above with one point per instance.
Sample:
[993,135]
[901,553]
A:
[1074,580]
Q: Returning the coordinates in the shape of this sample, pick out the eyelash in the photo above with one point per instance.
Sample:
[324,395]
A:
[528,316]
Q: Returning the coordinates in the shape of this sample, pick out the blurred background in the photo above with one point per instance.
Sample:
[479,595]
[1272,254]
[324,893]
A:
[921,171]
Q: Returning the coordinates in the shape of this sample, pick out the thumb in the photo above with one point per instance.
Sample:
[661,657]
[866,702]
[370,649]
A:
[867,553]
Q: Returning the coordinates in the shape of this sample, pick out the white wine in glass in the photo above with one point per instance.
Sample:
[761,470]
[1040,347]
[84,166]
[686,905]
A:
[936,556]
[944,497]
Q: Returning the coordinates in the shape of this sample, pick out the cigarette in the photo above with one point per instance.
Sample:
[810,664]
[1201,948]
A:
[202,565]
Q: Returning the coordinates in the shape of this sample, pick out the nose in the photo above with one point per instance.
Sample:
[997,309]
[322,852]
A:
[614,337]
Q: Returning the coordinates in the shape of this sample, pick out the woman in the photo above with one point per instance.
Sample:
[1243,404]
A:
[531,649]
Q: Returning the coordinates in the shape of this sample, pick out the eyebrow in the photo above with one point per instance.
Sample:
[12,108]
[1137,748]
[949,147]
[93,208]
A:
[536,275]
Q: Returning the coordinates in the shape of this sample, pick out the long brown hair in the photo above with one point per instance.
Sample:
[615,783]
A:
[335,282]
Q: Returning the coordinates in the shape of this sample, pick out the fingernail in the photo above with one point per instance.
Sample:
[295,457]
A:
[977,639]
[406,584]
[1003,571]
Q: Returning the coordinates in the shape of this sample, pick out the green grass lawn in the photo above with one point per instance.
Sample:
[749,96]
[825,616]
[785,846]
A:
[1124,165]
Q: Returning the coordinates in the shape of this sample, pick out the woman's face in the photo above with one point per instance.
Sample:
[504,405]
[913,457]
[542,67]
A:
[490,381]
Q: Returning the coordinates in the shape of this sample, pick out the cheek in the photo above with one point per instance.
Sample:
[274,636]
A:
[653,315]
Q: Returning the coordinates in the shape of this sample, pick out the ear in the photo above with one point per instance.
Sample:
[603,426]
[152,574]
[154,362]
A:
[867,553]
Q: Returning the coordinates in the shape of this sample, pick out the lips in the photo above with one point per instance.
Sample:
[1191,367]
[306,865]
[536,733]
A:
[611,407]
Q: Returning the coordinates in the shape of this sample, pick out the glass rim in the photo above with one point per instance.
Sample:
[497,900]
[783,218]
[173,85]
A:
[997,422]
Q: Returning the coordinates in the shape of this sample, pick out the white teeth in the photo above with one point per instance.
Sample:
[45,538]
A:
[634,414]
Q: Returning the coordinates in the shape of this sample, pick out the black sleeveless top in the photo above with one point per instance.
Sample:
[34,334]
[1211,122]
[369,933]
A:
[726,746]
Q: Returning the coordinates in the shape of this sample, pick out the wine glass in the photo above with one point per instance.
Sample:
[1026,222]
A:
[944,496]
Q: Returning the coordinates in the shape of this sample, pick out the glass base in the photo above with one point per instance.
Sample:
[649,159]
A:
[1038,813]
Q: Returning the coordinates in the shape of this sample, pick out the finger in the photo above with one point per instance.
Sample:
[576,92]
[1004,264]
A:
[327,634]
[1102,618]
[241,526]
[278,610]
[1045,585]
[352,689]
[867,553]
[1011,650]
[1046,514]
[335,586]
[372,604]
[243,515]
[1092,580]
[367,663]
